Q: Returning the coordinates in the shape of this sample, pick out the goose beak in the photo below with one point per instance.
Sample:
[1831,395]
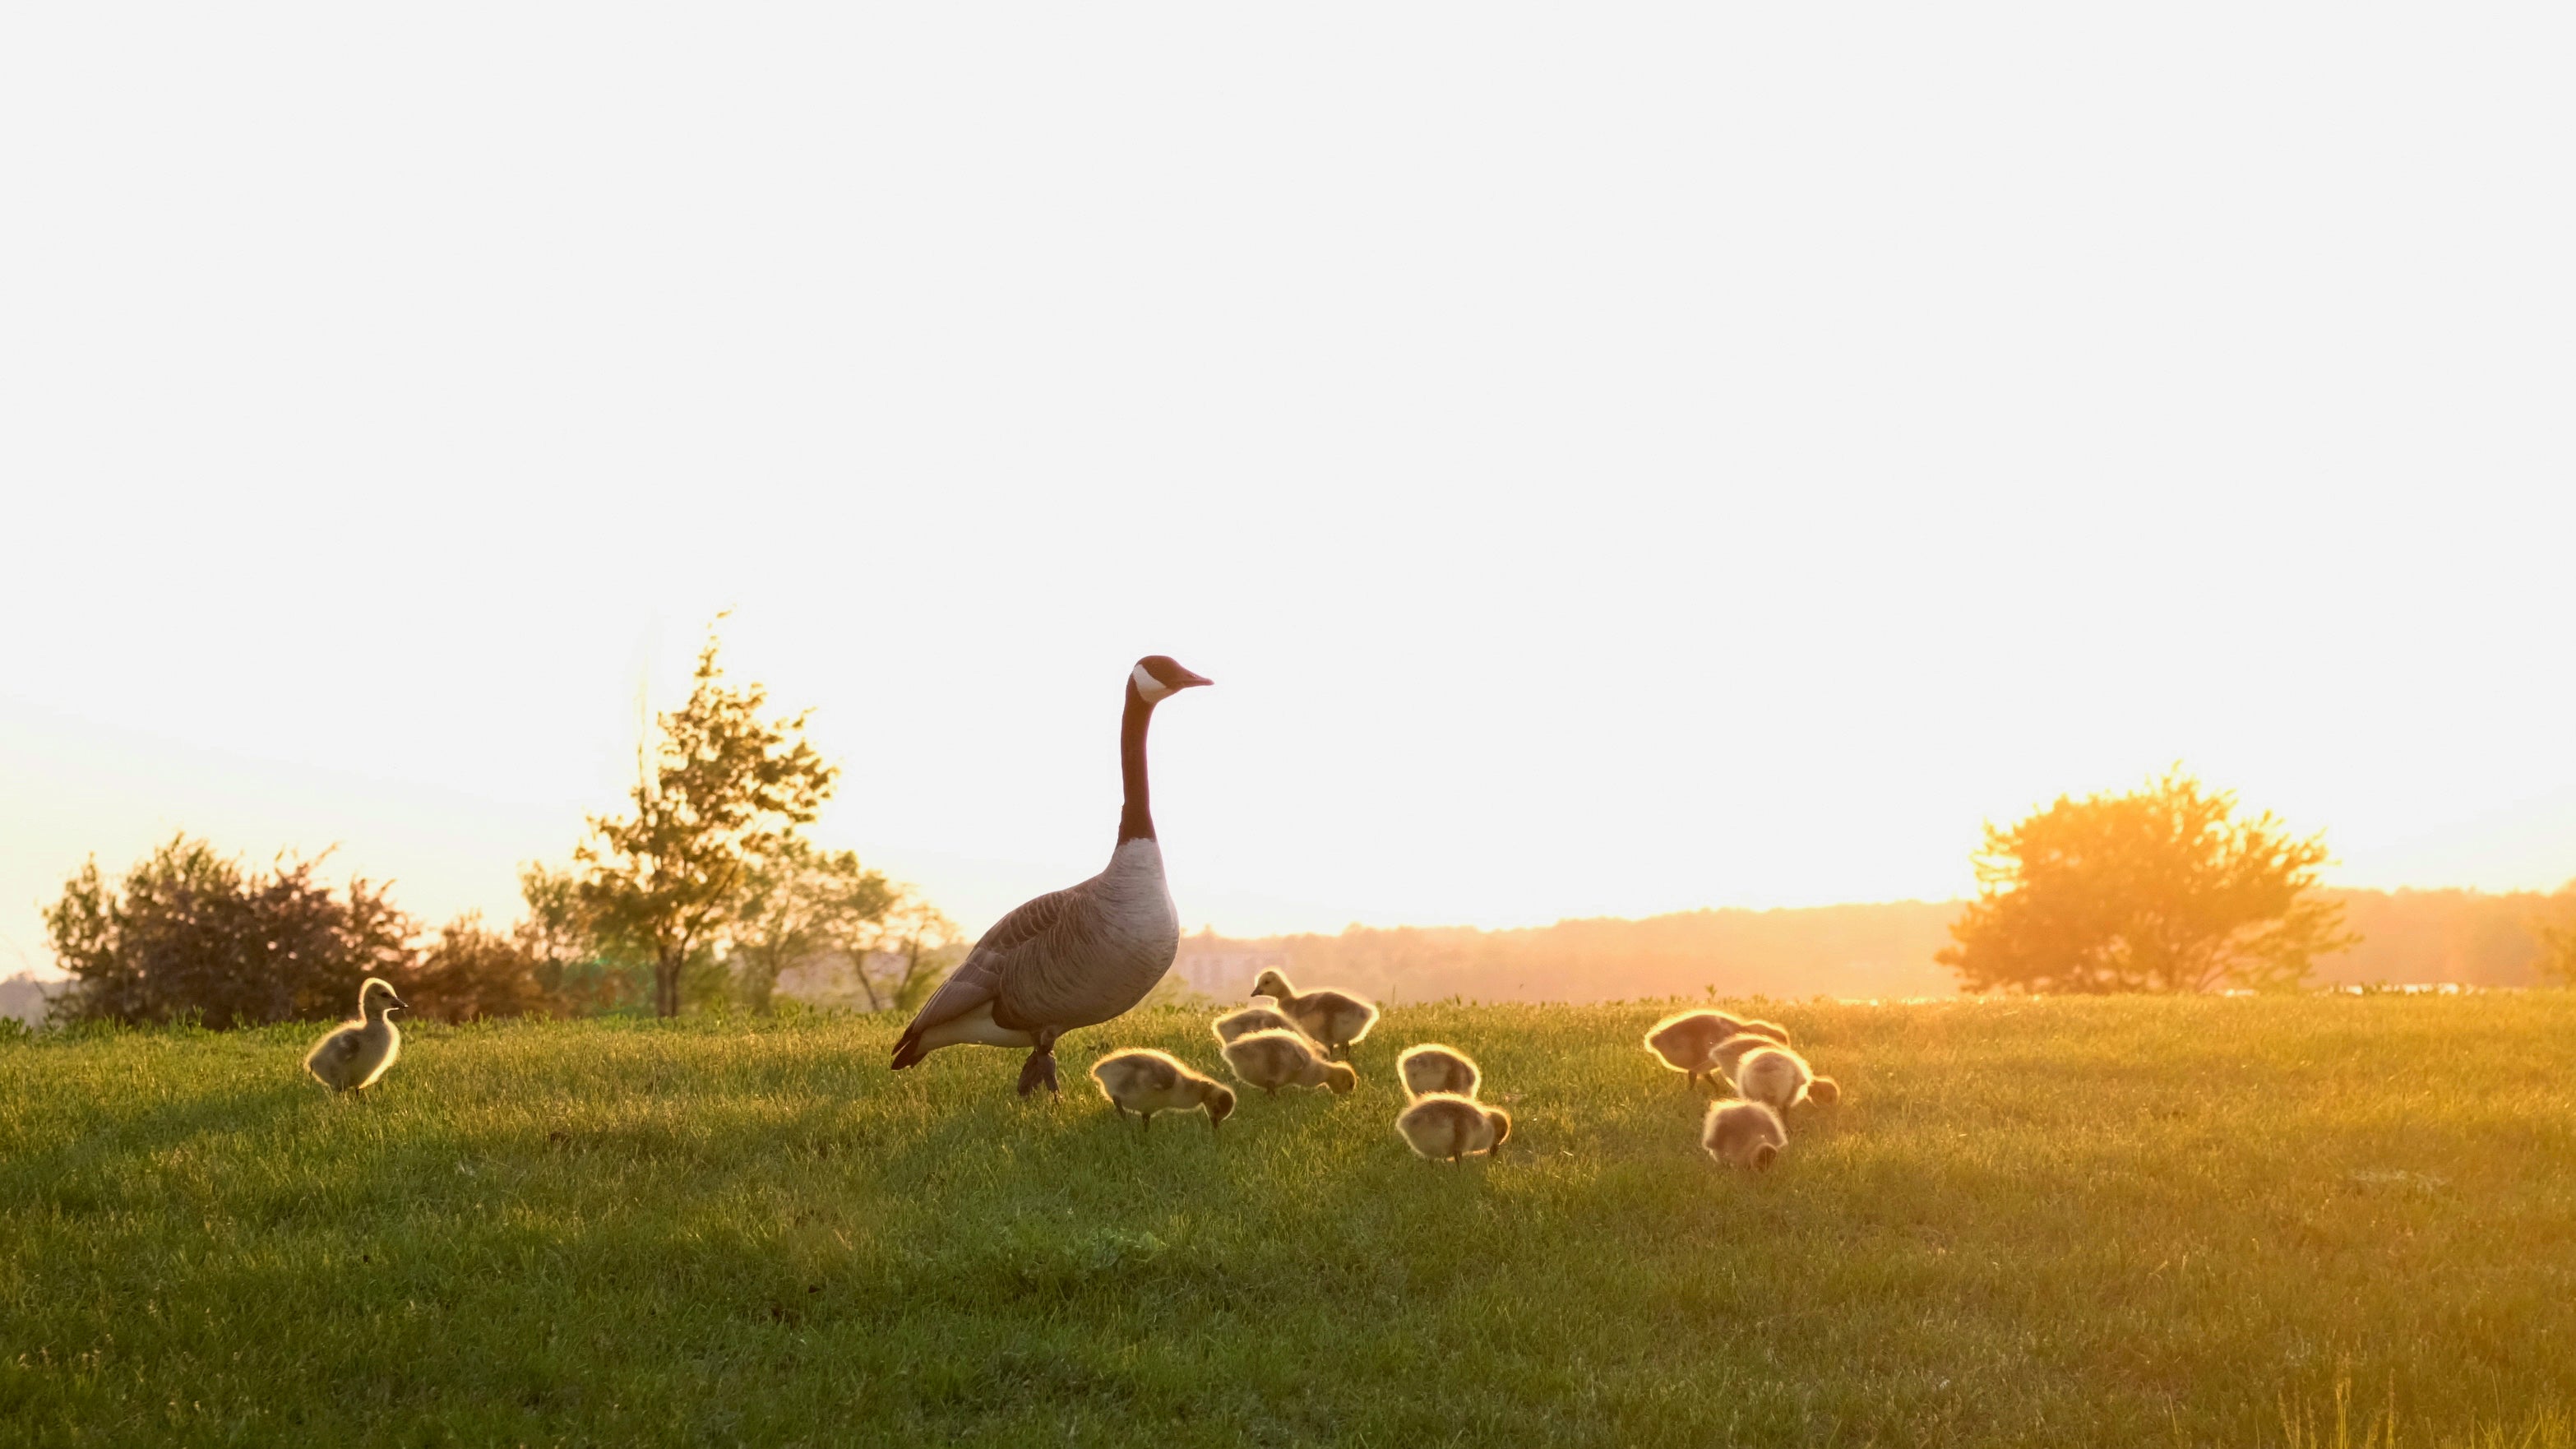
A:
[401,1005]
[1188,679]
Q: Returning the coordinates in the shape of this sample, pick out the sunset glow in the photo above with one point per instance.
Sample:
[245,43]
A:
[1727,483]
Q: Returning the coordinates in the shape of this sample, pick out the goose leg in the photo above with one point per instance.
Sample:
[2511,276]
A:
[1039,1069]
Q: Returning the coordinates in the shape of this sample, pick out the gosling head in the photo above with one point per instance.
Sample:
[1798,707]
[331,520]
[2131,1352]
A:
[1764,1154]
[1157,677]
[1823,1092]
[378,995]
[1502,1122]
[1272,985]
[1341,1078]
[1220,1103]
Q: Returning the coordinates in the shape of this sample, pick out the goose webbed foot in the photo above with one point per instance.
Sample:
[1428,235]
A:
[1039,1070]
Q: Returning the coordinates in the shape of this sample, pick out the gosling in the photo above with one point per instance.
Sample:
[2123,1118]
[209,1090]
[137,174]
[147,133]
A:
[1335,1018]
[1434,1068]
[1274,1059]
[358,1054]
[1727,1057]
[1684,1042]
[1445,1127]
[1144,1081]
[1743,1134]
[1783,1079]
[1250,1019]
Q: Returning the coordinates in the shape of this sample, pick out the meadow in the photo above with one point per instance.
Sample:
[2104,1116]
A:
[2151,1221]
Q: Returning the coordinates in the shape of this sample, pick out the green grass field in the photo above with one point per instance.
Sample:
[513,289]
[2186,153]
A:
[2097,1222]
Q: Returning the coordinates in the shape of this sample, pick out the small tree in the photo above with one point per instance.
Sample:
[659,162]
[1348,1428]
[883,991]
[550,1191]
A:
[2556,932]
[192,933]
[802,901]
[912,950]
[2159,890]
[579,963]
[719,792]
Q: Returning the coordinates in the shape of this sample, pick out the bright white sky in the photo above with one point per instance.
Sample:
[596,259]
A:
[1612,461]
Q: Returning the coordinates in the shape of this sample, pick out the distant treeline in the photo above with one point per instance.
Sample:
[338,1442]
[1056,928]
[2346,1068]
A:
[1880,950]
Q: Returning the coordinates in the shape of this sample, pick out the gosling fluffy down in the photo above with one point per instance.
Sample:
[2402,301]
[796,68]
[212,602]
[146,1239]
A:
[1144,1081]
[1743,1134]
[1445,1127]
[1251,1019]
[1432,1067]
[1274,1059]
[1783,1079]
[358,1054]
[1335,1018]
[1685,1041]
[1727,1058]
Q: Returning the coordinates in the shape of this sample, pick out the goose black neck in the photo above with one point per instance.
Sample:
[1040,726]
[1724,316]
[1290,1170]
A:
[1136,821]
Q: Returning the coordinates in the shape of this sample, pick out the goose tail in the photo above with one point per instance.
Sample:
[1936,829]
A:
[908,1050]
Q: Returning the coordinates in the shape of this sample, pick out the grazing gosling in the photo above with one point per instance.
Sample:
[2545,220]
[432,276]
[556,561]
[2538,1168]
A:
[1335,1018]
[1432,1067]
[1445,1126]
[1253,1018]
[1743,1134]
[1274,1059]
[1683,1042]
[357,1054]
[1727,1057]
[1782,1078]
[1144,1081]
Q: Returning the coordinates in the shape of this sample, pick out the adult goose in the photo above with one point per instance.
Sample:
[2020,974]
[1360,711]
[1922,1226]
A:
[1075,957]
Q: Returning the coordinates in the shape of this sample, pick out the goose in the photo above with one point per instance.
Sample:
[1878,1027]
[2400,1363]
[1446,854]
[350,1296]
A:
[1743,1134]
[1144,1081]
[359,1052]
[1432,1067]
[1444,1126]
[1782,1078]
[1253,1018]
[1335,1018]
[1274,1059]
[1075,957]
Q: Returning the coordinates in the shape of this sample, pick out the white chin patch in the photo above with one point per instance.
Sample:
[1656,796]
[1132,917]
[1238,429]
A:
[1147,685]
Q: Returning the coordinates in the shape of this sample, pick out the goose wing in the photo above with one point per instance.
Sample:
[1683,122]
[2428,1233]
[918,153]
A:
[1025,932]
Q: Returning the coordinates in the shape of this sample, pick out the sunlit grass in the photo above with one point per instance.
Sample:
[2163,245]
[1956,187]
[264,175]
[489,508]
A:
[2047,1223]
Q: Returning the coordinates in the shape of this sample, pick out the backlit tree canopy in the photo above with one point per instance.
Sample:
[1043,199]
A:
[2163,889]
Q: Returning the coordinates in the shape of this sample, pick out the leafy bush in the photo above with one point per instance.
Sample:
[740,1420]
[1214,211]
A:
[191,933]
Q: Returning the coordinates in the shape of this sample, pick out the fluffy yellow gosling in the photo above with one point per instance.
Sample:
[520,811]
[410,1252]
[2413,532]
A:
[1251,1019]
[1444,1127]
[1144,1081]
[358,1054]
[1274,1059]
[1432,1067]
[1335,1018]
[1743,1134]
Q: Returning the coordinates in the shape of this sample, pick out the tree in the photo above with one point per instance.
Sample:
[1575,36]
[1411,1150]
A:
[914,948]
[472,973]
[580,963]
[802,901]
[2159,890]
[191,932]
[2556,932]
[719,792]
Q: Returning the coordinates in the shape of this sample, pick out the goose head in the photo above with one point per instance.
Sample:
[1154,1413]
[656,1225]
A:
[1220,1103]
[1502,1125]
[378,990]
[1272,985]
[1159,676]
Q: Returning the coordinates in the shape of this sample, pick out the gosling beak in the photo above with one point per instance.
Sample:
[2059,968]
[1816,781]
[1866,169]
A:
[401,1005]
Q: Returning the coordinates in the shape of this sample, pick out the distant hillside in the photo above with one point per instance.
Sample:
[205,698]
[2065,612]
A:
[1869,951]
